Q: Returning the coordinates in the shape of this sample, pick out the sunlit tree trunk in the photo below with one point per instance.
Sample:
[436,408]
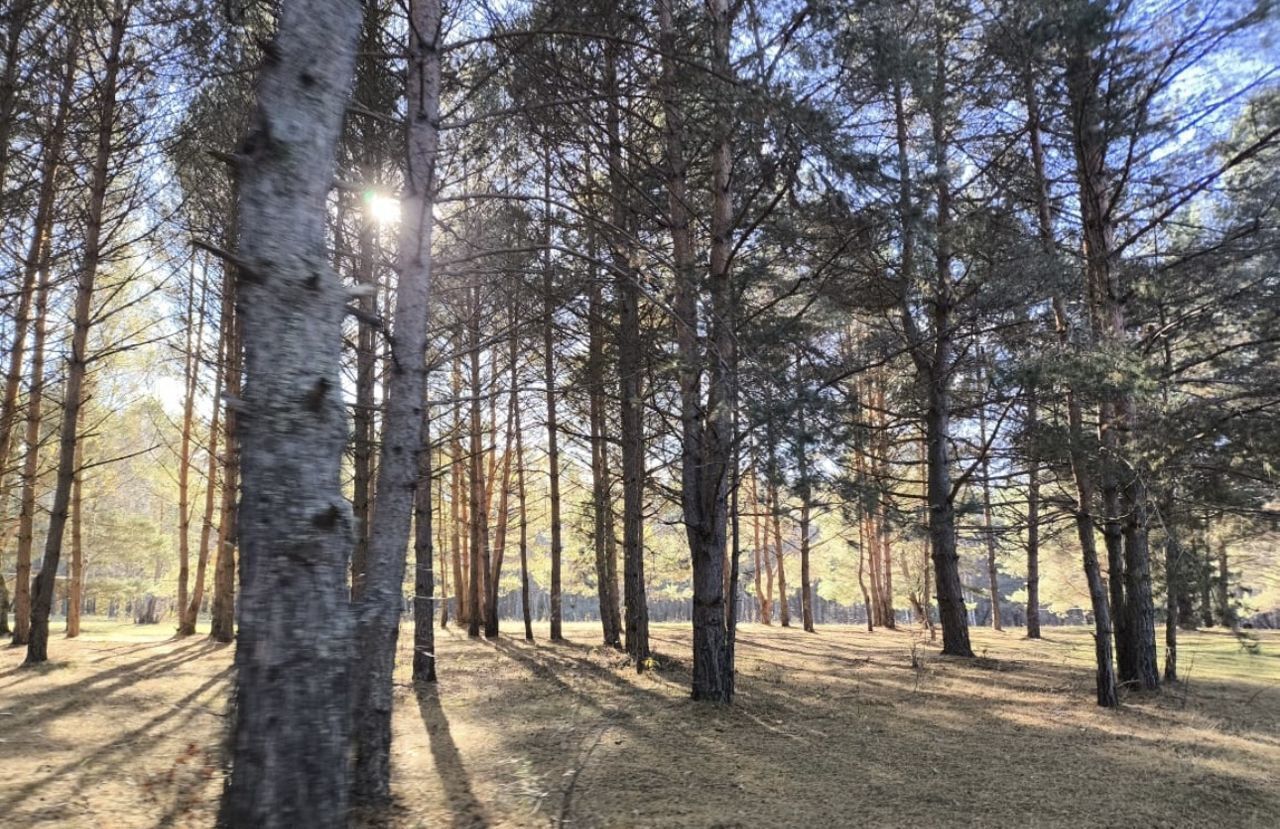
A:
[404,452]
[290,739]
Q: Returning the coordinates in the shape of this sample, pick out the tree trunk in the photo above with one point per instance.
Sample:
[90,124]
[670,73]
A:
[1033,521]
[524,517]
[25,591]
[42,588]
[553,429]
[424,587]
[190,614]
[460,584]
[442,547]
[51,159]
[934,363]
[479,512]
[222,610]
[630,379]
[1226,613]
[363,416]
[36,263]
[194,342]
[1125,501]
[988,525]
[504,493]
[75,582]
[289,744]
[404,451]
[601,486]
[802,459]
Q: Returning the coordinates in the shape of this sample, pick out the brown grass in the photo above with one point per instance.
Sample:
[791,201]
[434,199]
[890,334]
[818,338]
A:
[829,729]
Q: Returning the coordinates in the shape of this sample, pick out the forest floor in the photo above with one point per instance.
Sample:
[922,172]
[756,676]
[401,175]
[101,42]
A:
[836,728]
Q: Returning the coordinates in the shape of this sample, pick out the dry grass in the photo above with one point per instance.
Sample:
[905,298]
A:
[829,729]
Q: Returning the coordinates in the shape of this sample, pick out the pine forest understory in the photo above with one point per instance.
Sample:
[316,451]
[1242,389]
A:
[668,413]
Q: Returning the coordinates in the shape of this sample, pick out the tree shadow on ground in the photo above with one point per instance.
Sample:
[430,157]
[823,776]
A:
[466,811]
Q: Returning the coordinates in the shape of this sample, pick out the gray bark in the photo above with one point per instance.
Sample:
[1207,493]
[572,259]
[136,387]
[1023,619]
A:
[399,465]
[289,746]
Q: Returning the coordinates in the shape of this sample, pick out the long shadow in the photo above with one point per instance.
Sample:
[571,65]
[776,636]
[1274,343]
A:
[101,685]
[124,742]
[465,808]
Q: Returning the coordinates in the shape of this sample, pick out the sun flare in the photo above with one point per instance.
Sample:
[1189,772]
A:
[384,210]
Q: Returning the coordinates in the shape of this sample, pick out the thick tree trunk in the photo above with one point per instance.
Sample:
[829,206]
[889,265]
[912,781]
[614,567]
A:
[290,738]
[706,427]
[401,459]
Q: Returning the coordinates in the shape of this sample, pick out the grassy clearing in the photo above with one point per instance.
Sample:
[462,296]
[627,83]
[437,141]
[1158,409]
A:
[834,728]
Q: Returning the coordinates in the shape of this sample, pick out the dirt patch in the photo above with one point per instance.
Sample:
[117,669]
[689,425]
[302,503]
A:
[829,729]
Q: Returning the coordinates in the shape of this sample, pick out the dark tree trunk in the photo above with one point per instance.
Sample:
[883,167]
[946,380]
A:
[525,610]
[478,588]
[549,378]
[222,609]
[75,582]
[73,398]
[504,493]
[1125,501]
[802,459]
[363,416]
[934,357]
[630,378]
[424,585]
[36,262]
[191,613]
[988,522]
[289,745]
[601,485]
[1033,521]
